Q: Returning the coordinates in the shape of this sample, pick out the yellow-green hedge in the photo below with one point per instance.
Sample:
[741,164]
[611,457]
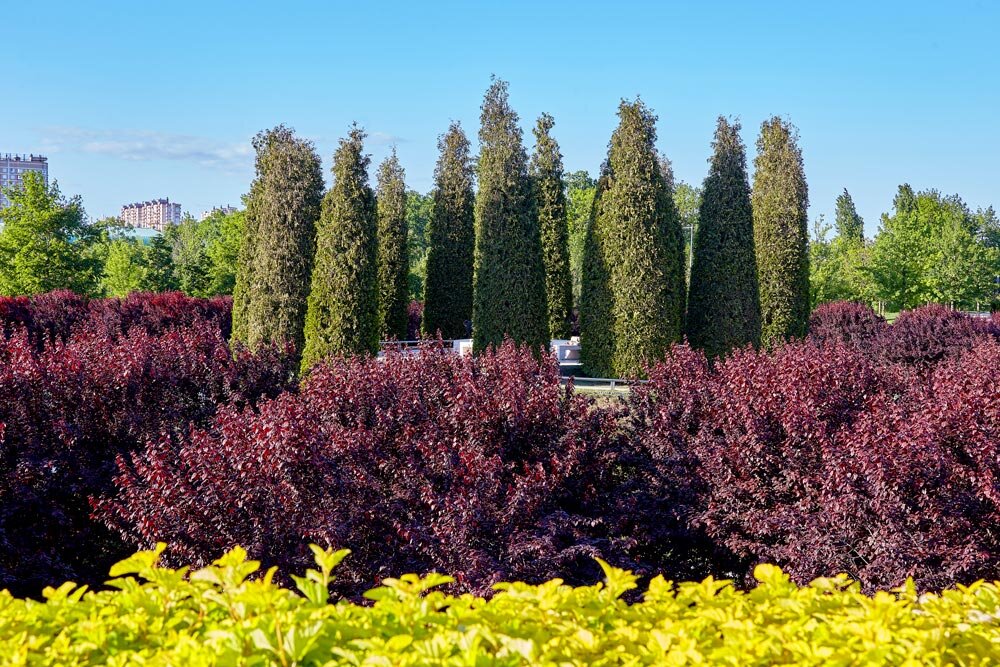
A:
[219,616]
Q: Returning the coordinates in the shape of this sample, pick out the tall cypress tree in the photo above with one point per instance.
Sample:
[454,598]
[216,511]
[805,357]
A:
[276,252]
[724,298]
[550,198]
[509,280]
[448,285]
[850,226]
[633,283]
[781,232]
[343,301]
[393,259]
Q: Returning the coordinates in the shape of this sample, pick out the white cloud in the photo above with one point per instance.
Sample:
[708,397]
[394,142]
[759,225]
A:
[148,145]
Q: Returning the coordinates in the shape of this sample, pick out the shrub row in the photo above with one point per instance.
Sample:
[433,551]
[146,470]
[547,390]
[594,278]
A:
[227,614]
[820,456]
[81,383]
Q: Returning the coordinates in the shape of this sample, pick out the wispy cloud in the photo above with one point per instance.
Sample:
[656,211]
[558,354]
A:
[147,145]
[384,138]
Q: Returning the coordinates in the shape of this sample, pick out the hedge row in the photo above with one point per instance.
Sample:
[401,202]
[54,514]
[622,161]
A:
[228,614]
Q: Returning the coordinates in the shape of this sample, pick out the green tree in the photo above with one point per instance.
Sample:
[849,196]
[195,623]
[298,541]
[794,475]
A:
[419,209]
[962,269]
[687,200]
[633,282]
[191,265]
[393,264]
[158,262]
[43,241]
[448,288]
[276,253]
[125,270]
[222,249]
[343,315]
[850,226]
[580,191]
[724,298]
[509,275]
[780,201]
[550,196]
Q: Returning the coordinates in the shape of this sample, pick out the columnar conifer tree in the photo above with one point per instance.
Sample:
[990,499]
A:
[276,252]
[724,299]
[781,232]
[448,286]
[509,281]
[393,260]
[633,282]
[850,226]
[550,198]
[343,302]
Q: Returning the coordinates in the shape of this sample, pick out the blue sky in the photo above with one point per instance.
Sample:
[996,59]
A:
[133,100]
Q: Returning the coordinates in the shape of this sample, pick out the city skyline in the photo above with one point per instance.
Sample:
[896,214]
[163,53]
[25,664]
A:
[881,94]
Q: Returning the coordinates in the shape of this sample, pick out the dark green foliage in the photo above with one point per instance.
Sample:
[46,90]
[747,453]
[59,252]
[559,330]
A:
[633,275]
[448,285]
[724,299]
[393,259]
[850,226]
[343,302]
[550,197]
[276,253]
[781,232]
[580,191]
[509,279]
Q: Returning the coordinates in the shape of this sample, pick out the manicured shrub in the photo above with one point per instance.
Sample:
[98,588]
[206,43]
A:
[633,283]
[343,314]
[723,308]
[509,278]
[393,266]
[781,232]
[67,408]
[550,197]
[482,467]
[228,613]
[846,322]
[448,287]
[278,244]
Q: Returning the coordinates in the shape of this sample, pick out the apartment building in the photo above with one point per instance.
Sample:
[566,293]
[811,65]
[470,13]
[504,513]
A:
[13,168]
[154,214]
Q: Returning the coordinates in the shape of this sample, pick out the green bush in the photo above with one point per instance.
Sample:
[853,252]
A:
[231,614]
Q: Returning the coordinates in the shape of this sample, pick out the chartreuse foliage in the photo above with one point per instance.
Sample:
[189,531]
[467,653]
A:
[231,614]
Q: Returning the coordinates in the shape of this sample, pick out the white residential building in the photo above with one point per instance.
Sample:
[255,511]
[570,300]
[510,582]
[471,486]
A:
[13,168]
[224,210]
[155,214]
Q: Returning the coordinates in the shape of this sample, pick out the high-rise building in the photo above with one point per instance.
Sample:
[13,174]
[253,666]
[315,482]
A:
[224,210]
[155,214]
[14,166]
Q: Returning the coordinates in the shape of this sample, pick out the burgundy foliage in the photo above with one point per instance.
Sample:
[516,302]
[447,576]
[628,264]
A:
[928,334]
[827,460]
[69,407]
[414,315]
[483,468]
[846,322]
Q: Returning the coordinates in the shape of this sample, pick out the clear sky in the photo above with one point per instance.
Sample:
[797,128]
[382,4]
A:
[138,100]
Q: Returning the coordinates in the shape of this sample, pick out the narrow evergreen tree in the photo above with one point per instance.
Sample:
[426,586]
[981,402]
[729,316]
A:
[509,279]
[343,302]
[276,252]
[633,282]
[550,197]
[448,285]
[393,259]
[781,232]
[724,298]
[850,226]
